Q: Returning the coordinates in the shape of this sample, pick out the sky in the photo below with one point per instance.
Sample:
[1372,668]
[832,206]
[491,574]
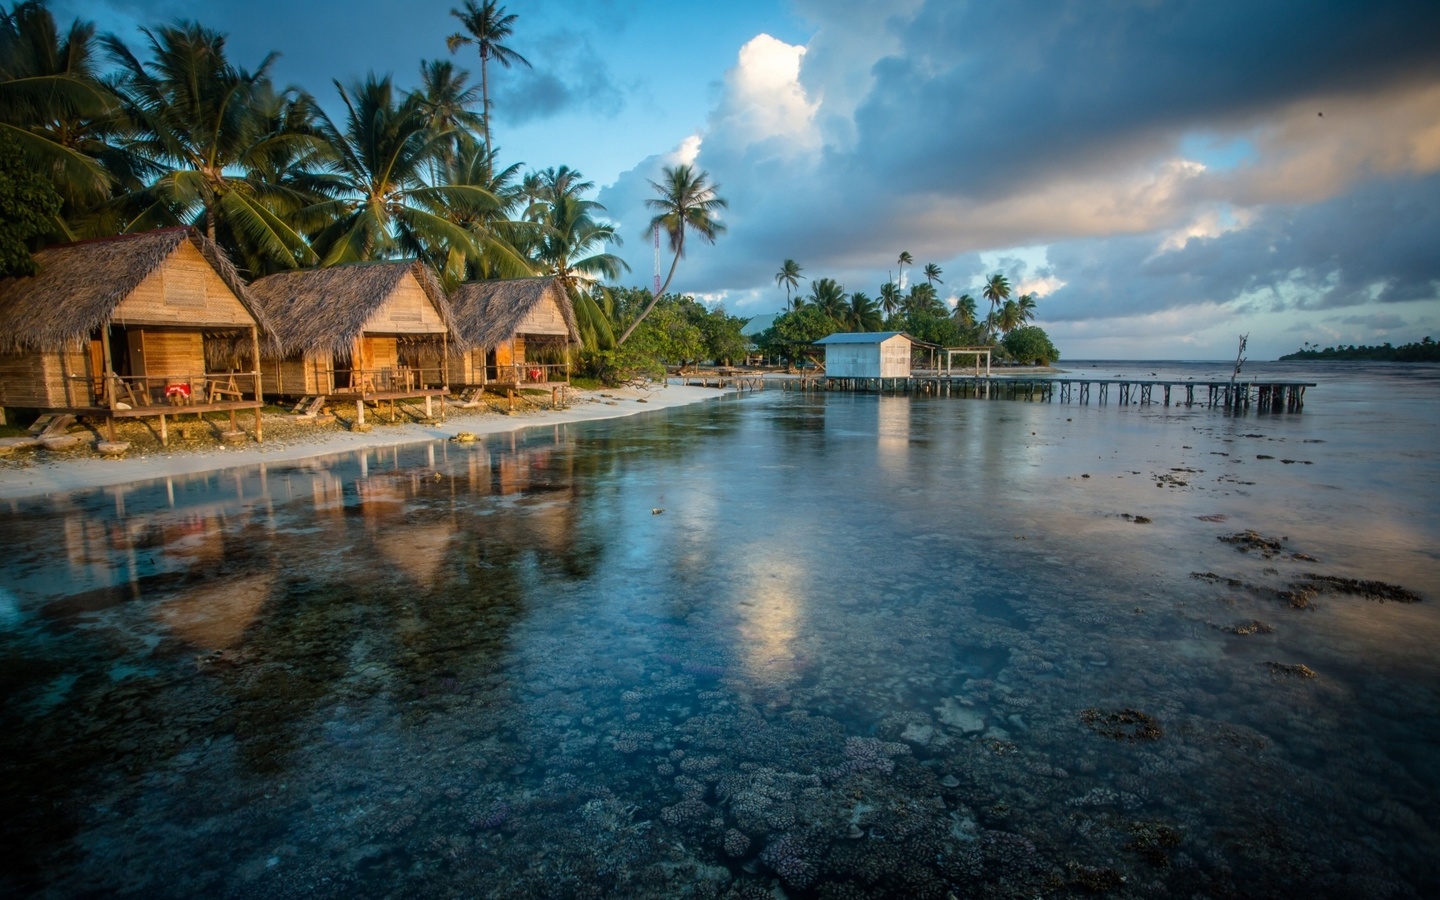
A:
[1164,175]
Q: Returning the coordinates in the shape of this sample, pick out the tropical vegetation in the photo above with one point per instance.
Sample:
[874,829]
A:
[1424,350]
[99,137]
[919,311]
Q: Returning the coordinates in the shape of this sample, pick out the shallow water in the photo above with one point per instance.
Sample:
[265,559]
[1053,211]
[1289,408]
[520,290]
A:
[835,645]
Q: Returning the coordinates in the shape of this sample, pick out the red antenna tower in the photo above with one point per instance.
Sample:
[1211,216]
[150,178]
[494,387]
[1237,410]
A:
[656,291]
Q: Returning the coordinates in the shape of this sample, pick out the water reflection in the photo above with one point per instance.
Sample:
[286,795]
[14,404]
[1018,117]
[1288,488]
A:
[851,650]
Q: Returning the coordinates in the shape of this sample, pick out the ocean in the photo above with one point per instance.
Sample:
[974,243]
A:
[780,644]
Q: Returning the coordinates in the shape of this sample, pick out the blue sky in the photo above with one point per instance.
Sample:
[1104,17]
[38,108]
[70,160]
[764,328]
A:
[1165,176]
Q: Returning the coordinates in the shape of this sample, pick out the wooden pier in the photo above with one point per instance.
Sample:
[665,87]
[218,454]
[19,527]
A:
[1265,395]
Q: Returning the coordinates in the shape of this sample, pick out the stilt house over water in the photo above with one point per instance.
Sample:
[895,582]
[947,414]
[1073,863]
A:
[363,332]
[139,325]
[516,332]
[881,354]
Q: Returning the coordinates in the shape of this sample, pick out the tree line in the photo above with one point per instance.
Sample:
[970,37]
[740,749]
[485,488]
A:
[1425,350]
[117,139]
[918,311]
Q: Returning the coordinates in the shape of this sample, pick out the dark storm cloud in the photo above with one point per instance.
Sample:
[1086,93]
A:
[1375,245]
[568,74]
[985,96]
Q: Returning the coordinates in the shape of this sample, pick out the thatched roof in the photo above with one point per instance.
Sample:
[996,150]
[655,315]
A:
[488,312]
[320,310]
[80,285]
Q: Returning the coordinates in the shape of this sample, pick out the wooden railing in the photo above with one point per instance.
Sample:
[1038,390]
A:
[139,391]
[392,378]
[530,373]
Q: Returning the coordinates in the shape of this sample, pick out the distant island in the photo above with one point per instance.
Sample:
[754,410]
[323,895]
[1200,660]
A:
[1423,351]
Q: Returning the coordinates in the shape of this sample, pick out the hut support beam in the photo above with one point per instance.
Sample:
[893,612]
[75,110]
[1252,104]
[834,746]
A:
[360,412]
[164,433]
[259,387]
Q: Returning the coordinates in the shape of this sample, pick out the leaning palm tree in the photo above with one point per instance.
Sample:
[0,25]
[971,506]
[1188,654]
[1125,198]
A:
[932,273]
[487,25]
[385,207]
[687,203]
[789,277]
[197,120]
[904,260]
[996,290]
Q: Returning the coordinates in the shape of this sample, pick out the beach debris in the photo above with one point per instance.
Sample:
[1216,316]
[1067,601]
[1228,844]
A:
[656,511]
[112,448]
[1122,724]
[1294,670]
[1213,517]
[464,437]
[1138,520]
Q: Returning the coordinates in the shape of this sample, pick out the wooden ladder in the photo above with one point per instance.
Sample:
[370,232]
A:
[51,424]
[309,407]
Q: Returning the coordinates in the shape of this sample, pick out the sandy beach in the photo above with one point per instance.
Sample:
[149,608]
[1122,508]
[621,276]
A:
[40,473]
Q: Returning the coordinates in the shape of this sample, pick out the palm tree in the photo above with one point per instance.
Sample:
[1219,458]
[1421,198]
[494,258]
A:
[905,260]
[863,314]
[1025,304]
[1008,317]
[996,290]
[197,120]
[829,296]
[504,244]
[687,202]
[52,103]
[385,207]
[488,24]
[890,298]
[449,103]
[922,299]
[932,273]
[789,277]
[965,311]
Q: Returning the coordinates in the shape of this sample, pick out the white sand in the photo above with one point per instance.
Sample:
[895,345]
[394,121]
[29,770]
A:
[60,475]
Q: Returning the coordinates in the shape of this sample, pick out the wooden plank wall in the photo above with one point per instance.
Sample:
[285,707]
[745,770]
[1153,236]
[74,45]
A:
[37,379]
[166,353]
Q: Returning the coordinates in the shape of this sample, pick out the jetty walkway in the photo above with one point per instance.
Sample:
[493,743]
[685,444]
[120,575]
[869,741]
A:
[1263,394]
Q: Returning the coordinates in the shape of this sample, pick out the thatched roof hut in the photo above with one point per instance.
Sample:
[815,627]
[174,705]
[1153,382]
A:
[319,311]
[118,326]
[81,286]
[356,318]
[496,321]
[488,313]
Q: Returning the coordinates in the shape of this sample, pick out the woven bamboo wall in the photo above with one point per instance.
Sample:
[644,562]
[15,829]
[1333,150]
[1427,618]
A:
[467,368]
[544,318]
[407,311]
[183,291]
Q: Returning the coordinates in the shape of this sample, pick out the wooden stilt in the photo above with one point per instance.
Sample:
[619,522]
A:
[359,412]
[164,434]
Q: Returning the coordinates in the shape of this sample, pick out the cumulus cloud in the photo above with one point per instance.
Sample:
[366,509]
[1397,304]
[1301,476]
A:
[954,129]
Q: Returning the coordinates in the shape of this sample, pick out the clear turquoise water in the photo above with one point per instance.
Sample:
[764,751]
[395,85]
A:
[853,655]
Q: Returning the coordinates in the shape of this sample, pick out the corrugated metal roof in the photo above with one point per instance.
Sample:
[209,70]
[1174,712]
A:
[871,337]
[862,337]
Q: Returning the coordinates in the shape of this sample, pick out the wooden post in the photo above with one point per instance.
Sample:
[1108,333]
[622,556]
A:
[429,410]
[164,435]
[360,411]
